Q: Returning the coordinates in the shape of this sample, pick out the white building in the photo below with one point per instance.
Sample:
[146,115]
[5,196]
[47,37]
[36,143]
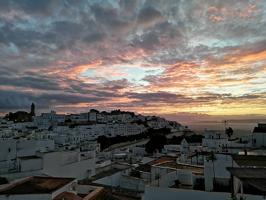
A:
[47,119]
[159,193]
[214,140]
[259,135]
[191,144]
[82,117]
[79,165]
[215,170]
[93,116]
[15,154]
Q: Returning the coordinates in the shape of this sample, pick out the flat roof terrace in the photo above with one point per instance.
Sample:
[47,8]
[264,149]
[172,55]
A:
[147,167]
[197,170]
[36,185]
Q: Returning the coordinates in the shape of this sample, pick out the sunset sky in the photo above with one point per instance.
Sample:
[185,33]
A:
[173,58]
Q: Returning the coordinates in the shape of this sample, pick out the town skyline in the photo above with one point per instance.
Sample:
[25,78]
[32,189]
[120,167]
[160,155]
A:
[185,60]
[183,118]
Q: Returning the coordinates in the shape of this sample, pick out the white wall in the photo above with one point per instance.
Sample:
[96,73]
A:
[260,139]
[30,164]
[112,180]
[157,171]
[132,183]
[7,149]
[54,164]
[220,165]
[155,193]
[30,147]
[168,177]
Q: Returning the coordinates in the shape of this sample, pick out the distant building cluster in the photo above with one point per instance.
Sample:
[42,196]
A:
[56,156]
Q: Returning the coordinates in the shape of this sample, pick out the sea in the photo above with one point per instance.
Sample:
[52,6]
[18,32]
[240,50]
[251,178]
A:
[239,128]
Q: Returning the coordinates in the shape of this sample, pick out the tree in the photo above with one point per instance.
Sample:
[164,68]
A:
[229,131]
[3,180]
[135,173]
[156,143]
[104,142]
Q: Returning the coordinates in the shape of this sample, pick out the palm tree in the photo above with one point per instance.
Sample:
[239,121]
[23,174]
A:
[229,131]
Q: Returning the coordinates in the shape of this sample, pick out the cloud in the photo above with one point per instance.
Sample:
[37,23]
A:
[149,16]
[21,100]
[34,7]
[198,56]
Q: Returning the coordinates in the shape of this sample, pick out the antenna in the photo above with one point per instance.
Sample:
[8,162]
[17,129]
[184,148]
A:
[225,125]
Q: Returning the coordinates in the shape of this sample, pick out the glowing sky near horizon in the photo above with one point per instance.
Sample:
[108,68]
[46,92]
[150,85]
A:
[162,57]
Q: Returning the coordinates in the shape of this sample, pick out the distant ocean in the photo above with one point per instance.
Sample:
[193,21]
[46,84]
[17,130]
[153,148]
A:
[240,128]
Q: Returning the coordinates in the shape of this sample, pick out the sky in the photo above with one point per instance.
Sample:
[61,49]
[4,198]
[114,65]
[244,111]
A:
[196,59]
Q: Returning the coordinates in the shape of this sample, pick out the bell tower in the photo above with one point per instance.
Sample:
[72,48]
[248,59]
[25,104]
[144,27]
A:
[32,109]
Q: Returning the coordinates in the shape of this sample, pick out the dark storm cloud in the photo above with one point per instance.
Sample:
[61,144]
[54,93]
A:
[149,41]
[34,82]
[158,97]
[149,15]
[22,38]
[4,5]
[20,100]
[14,100]
[32,7]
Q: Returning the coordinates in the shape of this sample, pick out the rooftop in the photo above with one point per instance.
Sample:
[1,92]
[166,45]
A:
[250,160]
[261,128]
[247,172]
[147,167]
[255,177]
[36,185]
[259,184]
[194,169]
[194,139]
[103,174]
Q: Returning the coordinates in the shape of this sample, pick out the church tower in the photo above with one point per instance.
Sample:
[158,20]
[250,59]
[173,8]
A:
[32,110]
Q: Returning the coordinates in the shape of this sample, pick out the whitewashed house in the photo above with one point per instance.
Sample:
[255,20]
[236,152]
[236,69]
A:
[190,144]
[215,170]
[259,135]
[79,165]
[45,120]
[214,141]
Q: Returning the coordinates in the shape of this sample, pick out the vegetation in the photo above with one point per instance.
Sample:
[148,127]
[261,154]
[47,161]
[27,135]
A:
[135,173]
[156,143]
[178,139]
[199,184]
[19,116]
[3,180]
[229,131]
[106,142]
